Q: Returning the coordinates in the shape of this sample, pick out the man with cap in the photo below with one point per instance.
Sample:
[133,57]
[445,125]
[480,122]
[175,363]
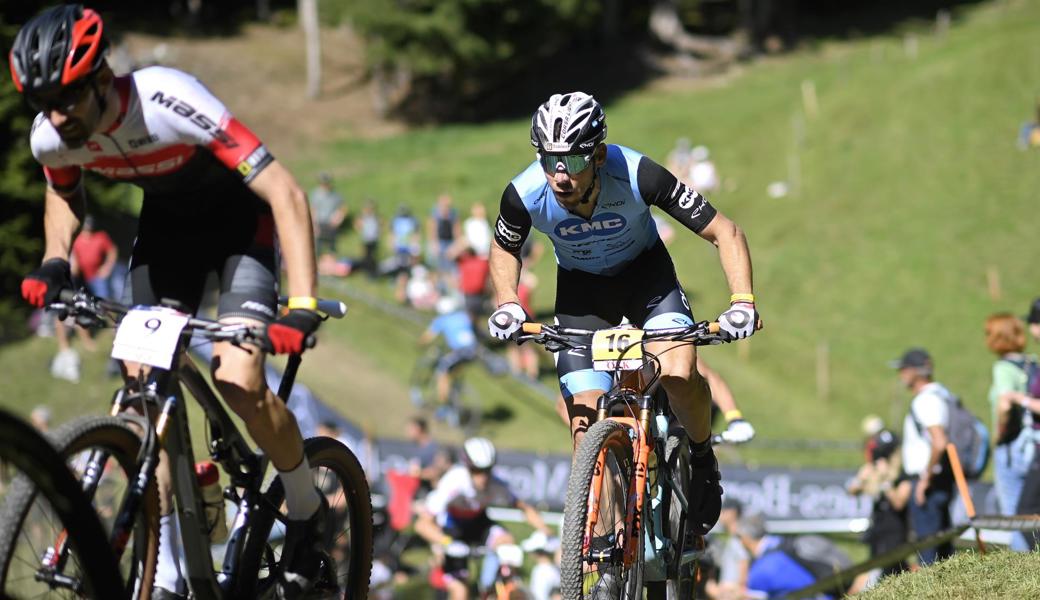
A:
[328,212]
[924,450]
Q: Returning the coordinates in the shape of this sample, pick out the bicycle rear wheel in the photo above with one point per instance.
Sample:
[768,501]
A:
[593,568]
[30,526]
[58,494]
[338,475]
[681,578]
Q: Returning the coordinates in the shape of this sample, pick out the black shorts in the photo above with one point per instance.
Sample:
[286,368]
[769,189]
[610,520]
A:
[646,291]
[175,253]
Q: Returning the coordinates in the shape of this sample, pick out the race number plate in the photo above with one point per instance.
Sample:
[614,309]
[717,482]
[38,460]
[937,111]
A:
[149,336]
[617,349]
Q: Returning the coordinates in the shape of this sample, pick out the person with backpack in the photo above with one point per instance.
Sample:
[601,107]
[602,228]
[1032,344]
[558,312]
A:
[1013,375]
[925,435]
[781,565]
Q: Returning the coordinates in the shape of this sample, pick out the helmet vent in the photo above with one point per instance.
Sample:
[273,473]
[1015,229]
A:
[557,126]
[79,54]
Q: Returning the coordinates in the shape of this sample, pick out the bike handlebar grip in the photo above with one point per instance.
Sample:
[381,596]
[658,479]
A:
[310,341]
[532,328]
[333,308]
[67,295]
[714,327]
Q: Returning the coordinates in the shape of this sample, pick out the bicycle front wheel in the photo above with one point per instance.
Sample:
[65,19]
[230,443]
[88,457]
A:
[107,447]
[339,477]
[59,494]
[601,476]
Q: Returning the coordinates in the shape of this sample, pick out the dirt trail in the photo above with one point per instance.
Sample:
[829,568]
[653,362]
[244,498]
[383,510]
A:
[259,74]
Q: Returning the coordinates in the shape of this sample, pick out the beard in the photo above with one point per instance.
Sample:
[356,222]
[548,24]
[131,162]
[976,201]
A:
[74,133]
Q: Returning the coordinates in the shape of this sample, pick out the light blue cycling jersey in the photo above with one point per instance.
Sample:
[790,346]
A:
[457,329]
[621,226]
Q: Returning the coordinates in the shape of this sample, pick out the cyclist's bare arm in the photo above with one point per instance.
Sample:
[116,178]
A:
[734,255]
[292,219]
[427,528]
[534,518]
[721,395]
[505,274]
[427,338]
[61,218]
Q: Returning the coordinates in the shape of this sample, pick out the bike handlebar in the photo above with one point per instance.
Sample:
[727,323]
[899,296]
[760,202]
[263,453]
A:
[700,334]
[83,303]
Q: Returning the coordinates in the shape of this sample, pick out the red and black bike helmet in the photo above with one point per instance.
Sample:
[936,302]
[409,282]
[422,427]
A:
[60,46]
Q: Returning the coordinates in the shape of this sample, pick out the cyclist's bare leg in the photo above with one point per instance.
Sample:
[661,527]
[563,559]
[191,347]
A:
[581,412]
[444,381]
[688,392]
[457,590]
[239,376]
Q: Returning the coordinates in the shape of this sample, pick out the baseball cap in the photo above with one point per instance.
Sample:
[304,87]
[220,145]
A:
[1034,313]
[914,357]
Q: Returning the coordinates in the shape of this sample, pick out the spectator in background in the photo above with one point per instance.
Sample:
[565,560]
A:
[420,290]
[703,176]
[772,572]
[523,358]
[40,417]
[477,231]
[430,460]
[679,159]
[1012,424]
[94,257]
[545,574]
[1033,320]
[733,560]
[369,229]
[882,479]
[442,229]
[924,451]
[1029,133]
[473,277]
[328,212]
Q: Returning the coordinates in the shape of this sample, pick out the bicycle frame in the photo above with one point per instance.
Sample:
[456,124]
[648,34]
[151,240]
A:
[227,446]
[648,430]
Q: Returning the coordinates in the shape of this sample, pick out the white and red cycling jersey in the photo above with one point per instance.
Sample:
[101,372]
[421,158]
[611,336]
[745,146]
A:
[457,499]
[172,137]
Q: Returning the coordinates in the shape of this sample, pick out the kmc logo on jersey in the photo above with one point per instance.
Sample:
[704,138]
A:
[602,224]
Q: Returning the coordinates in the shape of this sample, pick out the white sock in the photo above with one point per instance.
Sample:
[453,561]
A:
[301,498]
[168,570]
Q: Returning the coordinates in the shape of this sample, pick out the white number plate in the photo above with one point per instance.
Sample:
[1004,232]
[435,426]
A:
[149,336]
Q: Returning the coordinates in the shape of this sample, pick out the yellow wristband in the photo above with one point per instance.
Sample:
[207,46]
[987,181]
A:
[742,298]
[308,302]
[733,415]
[446,540]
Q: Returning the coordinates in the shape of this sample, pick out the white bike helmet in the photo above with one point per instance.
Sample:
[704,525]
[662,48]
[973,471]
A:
[478,453]
[571,123]
[447,304]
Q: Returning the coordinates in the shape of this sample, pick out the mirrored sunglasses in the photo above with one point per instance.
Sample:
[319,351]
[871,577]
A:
[572,164]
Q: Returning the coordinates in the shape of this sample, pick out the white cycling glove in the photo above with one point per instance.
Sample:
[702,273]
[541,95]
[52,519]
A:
[738,432]
[739,321]
[506,321]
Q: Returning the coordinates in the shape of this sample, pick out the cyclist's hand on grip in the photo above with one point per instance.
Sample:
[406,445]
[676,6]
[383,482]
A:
[506,321]
[288,335]
[739,321]
[42,286]
[738,432]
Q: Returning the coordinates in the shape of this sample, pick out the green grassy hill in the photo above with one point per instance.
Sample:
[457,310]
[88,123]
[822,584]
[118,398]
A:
[998,574]
[909,191]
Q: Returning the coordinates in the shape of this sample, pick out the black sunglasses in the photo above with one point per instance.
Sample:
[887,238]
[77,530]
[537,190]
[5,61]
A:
[66,100]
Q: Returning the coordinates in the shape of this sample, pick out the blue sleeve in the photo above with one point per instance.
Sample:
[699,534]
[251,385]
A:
[437,325]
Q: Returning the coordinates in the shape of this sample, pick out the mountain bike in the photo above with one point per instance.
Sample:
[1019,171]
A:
[80,558]
[627,496]
[422,387]
[116,459]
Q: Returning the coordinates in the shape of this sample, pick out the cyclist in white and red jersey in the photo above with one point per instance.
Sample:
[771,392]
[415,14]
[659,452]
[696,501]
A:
[593,199]
[455,513]
[215,200]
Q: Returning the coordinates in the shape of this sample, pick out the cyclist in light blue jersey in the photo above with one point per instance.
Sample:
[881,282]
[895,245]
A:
[593,201]
[454,324]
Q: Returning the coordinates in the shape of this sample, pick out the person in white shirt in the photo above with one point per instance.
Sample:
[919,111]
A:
[924,450]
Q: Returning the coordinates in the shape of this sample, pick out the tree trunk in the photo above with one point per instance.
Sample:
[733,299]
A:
[666,26]
[308,11]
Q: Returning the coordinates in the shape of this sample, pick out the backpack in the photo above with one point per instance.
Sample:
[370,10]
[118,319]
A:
[820,556]
[1018,419]
[967,433]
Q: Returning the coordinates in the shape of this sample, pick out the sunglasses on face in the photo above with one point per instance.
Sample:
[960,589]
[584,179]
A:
[572,164]
[66,100]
